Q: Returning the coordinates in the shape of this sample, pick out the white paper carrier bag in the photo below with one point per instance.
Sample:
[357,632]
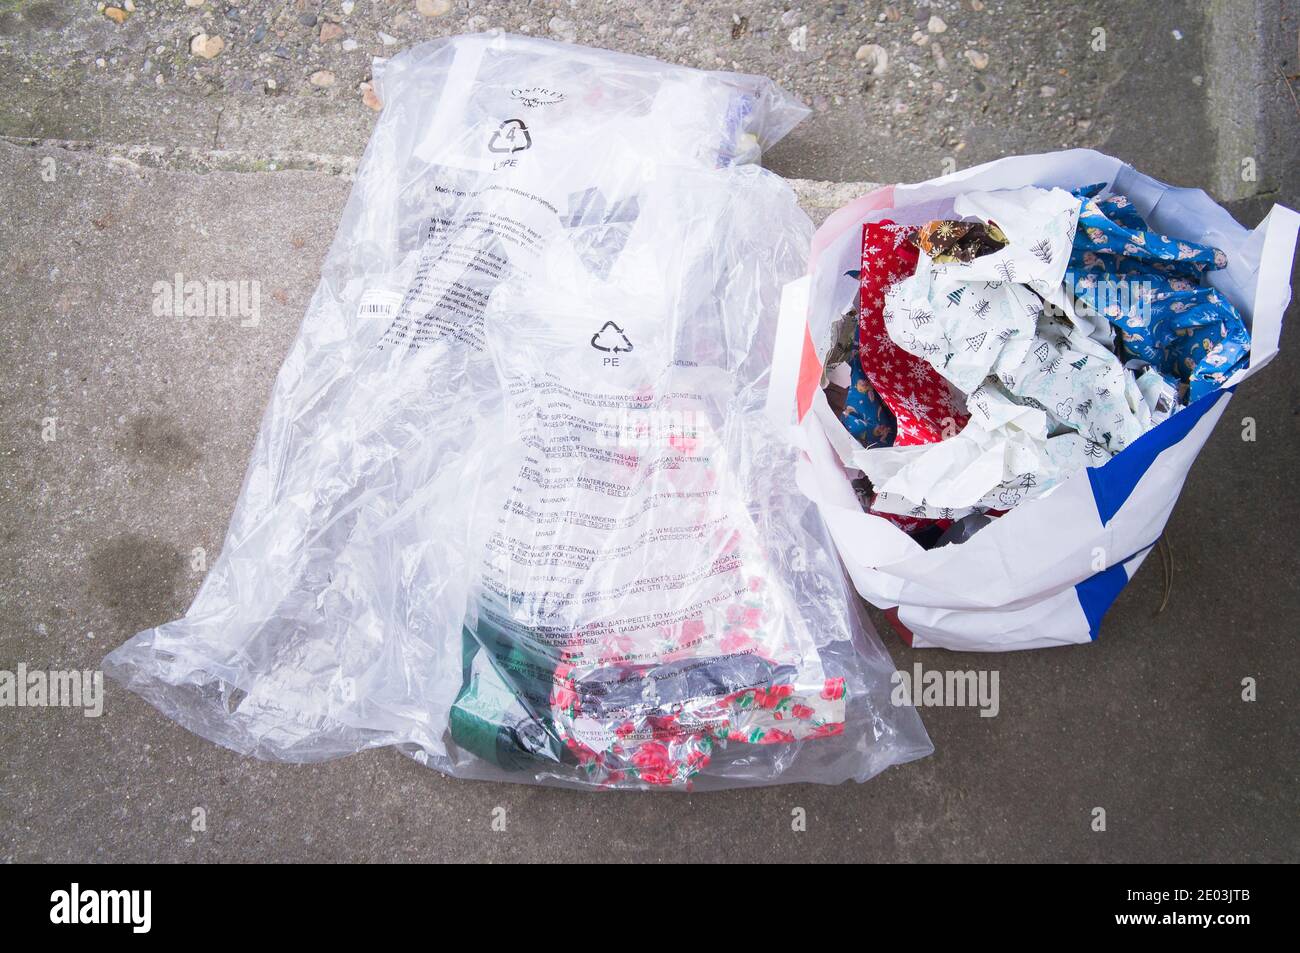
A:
[1045,573]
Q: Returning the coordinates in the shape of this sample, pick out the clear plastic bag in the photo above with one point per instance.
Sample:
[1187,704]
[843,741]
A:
[516,506]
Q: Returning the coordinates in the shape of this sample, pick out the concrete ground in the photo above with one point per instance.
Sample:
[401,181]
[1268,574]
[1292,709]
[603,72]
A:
[166,162]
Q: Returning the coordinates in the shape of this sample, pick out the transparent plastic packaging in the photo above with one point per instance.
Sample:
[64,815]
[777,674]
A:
[516,506]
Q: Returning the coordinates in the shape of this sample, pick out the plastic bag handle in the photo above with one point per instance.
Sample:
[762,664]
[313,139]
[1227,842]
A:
[1273,282]
[793,358]
[791,325]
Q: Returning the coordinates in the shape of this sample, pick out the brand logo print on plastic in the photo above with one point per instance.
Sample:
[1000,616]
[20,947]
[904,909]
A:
[534,96]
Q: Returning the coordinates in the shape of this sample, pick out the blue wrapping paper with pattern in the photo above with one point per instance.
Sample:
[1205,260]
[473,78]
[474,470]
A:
[1151,288]
[865,415]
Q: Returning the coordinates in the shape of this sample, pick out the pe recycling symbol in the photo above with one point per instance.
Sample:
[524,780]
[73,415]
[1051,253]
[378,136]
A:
[511,136]
[611,338]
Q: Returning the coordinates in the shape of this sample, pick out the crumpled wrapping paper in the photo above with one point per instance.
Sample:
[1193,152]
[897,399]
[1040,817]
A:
[1046,393]
[921,401]
[865,415]
[1002,455]
[1151,288]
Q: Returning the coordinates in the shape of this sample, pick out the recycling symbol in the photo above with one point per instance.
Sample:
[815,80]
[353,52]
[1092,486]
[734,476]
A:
[611,338]
[511,136]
